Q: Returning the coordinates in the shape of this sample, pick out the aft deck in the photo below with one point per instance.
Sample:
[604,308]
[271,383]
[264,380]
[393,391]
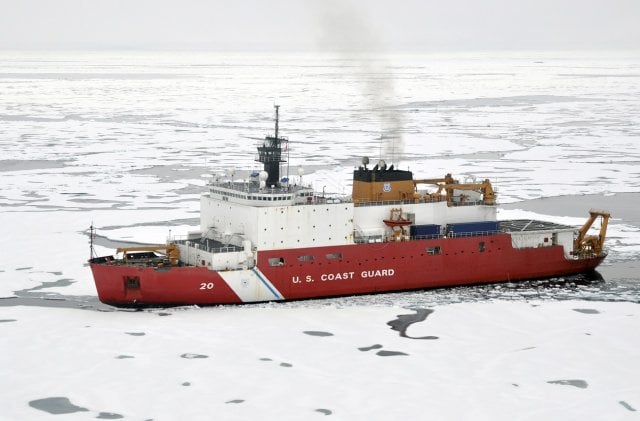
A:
[527,225]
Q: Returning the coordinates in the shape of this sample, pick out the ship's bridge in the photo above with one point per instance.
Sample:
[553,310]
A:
[251,194]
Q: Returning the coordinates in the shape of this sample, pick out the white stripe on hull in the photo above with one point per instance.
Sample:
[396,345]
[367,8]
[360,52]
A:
[251,285]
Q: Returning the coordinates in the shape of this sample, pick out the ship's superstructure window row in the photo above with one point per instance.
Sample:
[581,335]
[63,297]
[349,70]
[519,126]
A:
[267,196]
[247,191]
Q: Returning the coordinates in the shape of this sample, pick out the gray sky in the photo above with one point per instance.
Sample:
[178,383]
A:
[309,25]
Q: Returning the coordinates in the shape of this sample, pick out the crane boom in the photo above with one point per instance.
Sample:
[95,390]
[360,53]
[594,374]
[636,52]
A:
[592,244]
[449,184]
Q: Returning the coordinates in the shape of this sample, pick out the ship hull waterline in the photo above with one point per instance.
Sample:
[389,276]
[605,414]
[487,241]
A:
[338,271]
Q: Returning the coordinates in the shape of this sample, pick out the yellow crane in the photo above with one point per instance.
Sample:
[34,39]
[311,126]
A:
[592,244]
[171,251]
[449,184]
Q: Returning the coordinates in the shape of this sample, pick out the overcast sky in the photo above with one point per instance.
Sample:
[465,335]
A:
[310,25]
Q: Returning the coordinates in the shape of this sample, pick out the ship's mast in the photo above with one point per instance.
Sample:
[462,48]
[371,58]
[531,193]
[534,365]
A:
[270,153]
[92,231]
[277,107]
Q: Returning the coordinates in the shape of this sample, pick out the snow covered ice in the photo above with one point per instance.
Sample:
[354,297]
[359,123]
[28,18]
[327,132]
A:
[122,140]
[491,360]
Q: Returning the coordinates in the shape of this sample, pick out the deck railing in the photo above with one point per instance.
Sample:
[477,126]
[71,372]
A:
[359,202]
[382,239]
[207,245]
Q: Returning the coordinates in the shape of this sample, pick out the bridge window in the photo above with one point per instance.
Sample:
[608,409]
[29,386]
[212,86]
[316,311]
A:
[306,258]
[334,256]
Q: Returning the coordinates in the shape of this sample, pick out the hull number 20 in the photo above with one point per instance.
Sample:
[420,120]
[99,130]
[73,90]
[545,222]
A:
[206,285]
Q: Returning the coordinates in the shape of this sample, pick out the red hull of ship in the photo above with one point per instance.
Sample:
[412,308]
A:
[361,269]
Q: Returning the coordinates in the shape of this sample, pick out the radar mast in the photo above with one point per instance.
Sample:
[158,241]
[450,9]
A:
[270,153]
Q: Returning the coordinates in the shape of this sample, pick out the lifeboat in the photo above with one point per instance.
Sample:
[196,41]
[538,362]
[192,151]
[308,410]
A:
[396,219]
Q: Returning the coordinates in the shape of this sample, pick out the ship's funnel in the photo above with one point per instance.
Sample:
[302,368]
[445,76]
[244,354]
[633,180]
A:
[381,184]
